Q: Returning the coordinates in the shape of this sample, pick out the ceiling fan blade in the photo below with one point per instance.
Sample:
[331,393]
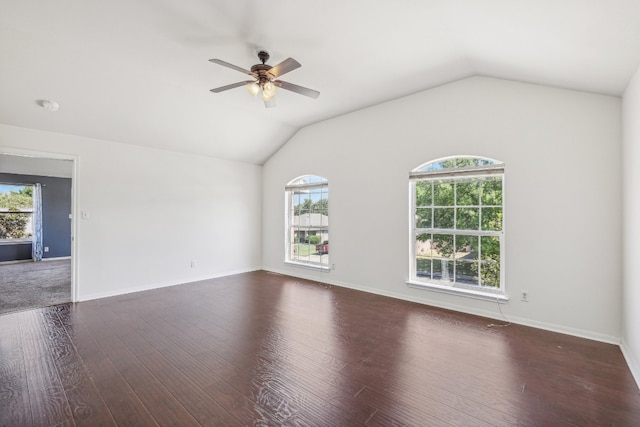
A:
[285,66]
[269,103]
[231,86]
[297,89]
[233,67]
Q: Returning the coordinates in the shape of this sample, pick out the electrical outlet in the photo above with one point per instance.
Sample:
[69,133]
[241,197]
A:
[333,266]
[46,248]
[525,296]
[193,263]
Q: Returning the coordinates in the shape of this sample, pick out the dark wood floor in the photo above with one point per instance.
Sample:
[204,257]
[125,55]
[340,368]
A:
[264,349]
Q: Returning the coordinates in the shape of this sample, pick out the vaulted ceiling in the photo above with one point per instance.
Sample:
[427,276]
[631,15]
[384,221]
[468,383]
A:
[137,72]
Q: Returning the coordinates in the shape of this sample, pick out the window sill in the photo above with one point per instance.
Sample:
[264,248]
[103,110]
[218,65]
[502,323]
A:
[15,242]
[470,293]
[308,266]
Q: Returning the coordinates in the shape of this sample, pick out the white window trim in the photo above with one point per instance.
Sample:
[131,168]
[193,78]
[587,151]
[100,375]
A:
[308,265]
[483,293]
[312,265]
[447,289]
[26,241]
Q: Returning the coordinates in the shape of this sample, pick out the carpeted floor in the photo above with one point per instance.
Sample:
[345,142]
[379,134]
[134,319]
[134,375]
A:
[30,285]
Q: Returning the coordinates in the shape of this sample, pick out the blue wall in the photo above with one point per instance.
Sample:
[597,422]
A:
[56,225]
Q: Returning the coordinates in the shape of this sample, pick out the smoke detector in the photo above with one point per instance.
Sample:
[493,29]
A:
[50,105]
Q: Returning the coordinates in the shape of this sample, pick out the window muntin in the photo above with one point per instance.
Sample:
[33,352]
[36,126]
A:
[16,212]
[457,228]
[457,163]
[307,235]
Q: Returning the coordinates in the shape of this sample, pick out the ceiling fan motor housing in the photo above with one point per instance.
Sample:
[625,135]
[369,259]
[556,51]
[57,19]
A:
[262,71]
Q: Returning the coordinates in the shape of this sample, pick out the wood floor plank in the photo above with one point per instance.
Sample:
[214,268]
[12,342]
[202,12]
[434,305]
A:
[48,401]
[299,377]
[246,411]
[381,419]
[14,392]
[291,407]
[85,401]
[123,404]
[410,408]
[266,349]
[200,405]
[157,399]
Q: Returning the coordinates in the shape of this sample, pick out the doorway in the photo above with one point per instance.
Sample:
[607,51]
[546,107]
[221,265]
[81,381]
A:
[36,243]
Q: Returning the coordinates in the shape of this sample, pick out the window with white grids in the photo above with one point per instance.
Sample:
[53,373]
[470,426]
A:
[457,232]
[307,233]
[16,213]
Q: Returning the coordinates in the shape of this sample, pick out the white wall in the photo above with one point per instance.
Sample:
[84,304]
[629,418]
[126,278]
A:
[562,151]
[24,165]
[631,214]
[151,212]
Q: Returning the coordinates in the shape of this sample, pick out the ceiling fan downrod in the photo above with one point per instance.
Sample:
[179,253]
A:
[263,55]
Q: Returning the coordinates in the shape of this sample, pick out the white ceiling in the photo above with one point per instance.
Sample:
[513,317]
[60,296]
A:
[137,71]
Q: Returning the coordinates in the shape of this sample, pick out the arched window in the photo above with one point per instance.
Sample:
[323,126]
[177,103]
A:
[457,232]
[307,234]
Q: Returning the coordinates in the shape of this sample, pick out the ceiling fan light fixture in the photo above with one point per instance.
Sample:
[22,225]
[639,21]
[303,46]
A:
[253,88]
[268,91]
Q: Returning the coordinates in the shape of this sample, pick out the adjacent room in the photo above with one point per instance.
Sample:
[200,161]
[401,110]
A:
[35,222]
[354,213]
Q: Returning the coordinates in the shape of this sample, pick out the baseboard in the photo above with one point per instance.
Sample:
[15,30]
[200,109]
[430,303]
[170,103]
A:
[463,309]
[632,362]
[580,333]
[16,261]
[19,261]
[59,258]
[118,292]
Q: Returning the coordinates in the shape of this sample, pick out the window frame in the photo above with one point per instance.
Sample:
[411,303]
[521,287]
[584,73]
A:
[305,182]
[29,212]
[484,168]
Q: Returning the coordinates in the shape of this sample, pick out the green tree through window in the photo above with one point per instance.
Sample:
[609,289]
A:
[16,206]
[457,232]
[308,221]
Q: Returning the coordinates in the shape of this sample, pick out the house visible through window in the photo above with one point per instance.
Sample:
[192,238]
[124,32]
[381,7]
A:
[307,234]
[16,212]
[457,236]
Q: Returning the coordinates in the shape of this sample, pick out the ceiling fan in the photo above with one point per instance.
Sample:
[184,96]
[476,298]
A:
[265,79]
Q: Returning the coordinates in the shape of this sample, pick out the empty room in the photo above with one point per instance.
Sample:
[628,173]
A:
[328,214]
